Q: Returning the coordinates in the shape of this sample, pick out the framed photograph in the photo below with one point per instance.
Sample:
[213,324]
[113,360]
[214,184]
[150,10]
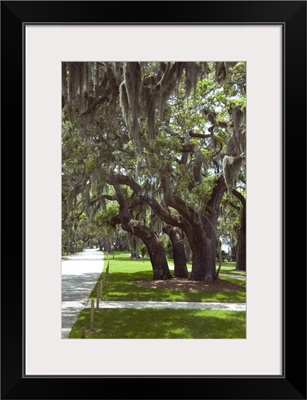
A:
[193,98]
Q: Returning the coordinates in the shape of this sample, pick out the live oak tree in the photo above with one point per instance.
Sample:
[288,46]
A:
[174,133]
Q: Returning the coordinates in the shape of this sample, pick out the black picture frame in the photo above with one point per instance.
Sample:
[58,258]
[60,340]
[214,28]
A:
[292,384]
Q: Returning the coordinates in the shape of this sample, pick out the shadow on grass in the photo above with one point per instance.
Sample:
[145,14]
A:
[121,287]
[161,324]
[124,271]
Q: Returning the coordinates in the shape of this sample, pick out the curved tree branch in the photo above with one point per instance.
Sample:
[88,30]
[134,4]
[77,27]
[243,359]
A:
[239,196]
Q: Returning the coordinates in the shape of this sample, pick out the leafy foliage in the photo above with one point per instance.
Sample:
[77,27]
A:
[167,126]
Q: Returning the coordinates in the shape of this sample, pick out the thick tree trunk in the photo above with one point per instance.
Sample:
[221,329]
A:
[241,249]
[158,259]
[154,248]
[203,259]
[241,255]
[202,236]
[209,224]
[180,260]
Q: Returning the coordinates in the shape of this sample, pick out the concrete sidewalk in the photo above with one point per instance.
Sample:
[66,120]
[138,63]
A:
[175,305]
[80,273]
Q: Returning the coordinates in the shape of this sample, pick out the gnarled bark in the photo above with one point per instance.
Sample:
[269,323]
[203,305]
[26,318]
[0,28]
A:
[200,230]
[241,250]
[180,260]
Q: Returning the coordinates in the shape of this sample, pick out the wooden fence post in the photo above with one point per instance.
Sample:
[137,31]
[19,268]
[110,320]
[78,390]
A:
[92,315]
[97,301]
[100,289]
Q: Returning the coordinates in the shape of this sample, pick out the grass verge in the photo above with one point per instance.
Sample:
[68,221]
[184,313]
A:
[123,272]
[161,324]
[158,323]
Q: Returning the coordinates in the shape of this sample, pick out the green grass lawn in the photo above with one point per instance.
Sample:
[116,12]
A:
[161,324]
[227,270]
[158,323]
[123,272]
[241,282]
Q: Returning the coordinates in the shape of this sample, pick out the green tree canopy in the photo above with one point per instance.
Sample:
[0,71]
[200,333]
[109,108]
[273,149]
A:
[166,136]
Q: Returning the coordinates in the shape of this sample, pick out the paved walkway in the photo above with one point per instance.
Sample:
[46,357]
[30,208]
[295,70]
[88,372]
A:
[176,305]
[80,273]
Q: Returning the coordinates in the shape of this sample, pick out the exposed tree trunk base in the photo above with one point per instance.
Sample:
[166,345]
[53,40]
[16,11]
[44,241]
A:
[161,275]
[203,261]
[181,274]
[180,265]
[198,277]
